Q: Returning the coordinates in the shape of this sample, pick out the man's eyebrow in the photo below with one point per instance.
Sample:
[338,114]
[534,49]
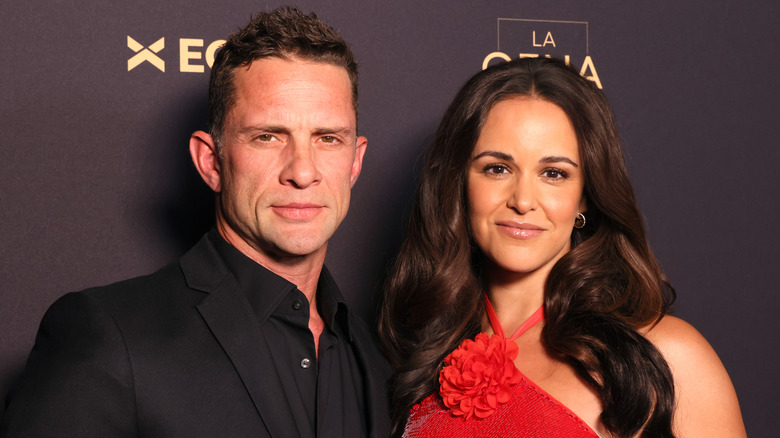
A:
[249,129]
[341,130]
[273,129]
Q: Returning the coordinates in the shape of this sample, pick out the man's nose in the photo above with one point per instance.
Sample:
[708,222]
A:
[300,169]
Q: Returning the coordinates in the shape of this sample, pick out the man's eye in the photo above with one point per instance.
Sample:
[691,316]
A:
[329,139]
[265,137]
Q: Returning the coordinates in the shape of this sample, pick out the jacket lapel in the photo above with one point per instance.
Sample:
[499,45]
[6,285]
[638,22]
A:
[229,317]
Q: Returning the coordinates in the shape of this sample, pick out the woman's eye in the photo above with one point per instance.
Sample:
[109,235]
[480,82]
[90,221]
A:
[555,174]
[495,169]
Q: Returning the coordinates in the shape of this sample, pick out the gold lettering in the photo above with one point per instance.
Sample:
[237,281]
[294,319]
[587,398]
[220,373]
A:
[493,56]
[185,55]
[211,50]
[588,64]
[566,58]
[147,54]
[549,39]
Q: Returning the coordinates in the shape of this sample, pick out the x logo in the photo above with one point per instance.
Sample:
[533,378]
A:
[143,54]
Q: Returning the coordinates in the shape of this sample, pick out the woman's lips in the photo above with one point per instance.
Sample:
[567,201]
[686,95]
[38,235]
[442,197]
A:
[519,230]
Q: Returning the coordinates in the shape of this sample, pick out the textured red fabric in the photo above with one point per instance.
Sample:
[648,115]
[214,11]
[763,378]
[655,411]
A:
[516,407]
[479,375]
[530,413]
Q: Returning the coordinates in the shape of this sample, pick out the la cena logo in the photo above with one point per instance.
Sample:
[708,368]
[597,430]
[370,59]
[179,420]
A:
[535,38]
[190,53]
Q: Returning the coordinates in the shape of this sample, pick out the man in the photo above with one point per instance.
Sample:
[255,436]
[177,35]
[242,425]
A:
[248,334]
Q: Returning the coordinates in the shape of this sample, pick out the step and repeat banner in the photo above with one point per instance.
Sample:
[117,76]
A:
[99,99]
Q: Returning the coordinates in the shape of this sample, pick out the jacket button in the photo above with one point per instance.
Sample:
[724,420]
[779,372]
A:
[306,362]
[297,305]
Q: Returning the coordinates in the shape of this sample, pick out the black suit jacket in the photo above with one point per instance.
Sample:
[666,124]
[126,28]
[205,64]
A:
[178,353]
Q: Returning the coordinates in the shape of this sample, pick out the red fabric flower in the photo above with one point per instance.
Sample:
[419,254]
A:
[478,375]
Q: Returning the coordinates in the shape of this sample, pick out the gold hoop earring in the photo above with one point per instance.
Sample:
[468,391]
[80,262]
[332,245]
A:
[579,221]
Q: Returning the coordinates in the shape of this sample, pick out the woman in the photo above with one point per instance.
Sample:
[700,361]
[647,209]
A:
[525,213]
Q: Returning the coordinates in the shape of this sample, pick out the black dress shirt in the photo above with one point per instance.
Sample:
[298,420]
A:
[325,394]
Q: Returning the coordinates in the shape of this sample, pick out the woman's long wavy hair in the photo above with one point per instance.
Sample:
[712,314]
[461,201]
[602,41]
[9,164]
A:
[597,296]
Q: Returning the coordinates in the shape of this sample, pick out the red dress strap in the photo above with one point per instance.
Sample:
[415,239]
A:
[482,394]
[497,329]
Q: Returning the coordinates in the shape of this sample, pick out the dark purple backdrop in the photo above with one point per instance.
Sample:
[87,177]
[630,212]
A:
[97,185]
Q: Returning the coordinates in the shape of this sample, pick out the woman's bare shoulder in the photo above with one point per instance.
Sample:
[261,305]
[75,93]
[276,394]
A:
[706,403]
[674,336]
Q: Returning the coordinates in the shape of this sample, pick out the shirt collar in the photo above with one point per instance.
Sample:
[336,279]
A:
[266,290]
[333,308]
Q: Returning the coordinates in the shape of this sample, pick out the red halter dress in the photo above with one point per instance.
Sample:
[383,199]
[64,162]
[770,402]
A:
[483,394]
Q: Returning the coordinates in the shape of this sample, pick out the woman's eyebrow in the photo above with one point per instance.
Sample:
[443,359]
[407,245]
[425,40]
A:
[544,160]
[495,154]
[558,159]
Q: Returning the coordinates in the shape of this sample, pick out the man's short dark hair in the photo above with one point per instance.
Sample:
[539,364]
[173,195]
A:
[283,33]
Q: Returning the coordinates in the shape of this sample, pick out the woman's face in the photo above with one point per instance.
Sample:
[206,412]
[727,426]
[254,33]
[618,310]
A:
[525,185]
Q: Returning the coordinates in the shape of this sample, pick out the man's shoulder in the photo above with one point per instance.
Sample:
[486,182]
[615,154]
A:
[168,275]
[166,278]
[146,309]
[160,291]
[172,277]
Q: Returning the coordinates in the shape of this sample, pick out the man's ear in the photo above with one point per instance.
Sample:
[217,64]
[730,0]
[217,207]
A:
[357,165]
[205,157]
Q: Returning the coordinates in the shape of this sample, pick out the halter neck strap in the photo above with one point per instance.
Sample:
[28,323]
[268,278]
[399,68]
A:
[497,329]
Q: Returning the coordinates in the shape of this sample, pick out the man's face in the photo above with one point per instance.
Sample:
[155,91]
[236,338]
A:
[290,156]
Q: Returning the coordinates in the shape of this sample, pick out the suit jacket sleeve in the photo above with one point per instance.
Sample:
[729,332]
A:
[78,379]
